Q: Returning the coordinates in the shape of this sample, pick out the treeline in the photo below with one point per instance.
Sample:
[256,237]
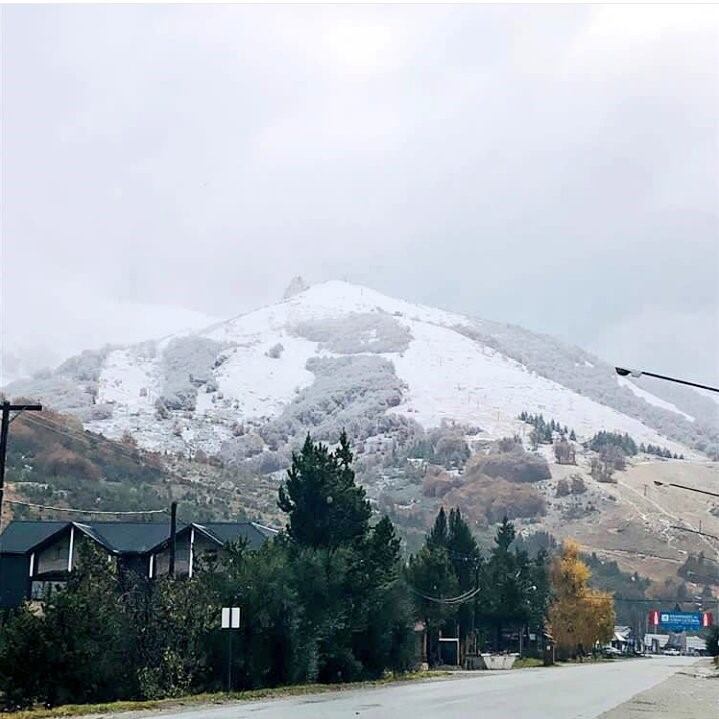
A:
[544,432]
[659,451]
[461,593]
[605,439]
[626,444]
[699,569]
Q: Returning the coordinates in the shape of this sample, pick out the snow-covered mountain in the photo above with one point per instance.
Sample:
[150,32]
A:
[24,351]
[337,354]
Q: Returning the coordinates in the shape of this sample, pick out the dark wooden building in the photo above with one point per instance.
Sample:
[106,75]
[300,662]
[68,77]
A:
[37,555]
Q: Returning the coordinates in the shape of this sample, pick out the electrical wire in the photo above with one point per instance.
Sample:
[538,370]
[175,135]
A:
[51,426]
[85,511]
[460,599]
[89,438]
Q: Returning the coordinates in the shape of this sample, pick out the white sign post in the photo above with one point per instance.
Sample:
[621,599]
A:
[230,617]
[230,620]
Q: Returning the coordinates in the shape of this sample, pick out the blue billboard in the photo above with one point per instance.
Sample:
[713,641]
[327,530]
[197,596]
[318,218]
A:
[681,621]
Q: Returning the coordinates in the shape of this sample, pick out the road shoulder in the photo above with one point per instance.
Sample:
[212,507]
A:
[691,693]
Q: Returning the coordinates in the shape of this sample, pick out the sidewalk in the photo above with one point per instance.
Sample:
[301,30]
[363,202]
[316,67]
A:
[691,693]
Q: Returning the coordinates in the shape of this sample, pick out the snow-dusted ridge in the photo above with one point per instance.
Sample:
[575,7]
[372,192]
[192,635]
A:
[203,390]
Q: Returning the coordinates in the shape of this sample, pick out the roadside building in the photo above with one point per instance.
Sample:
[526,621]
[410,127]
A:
[623,639]
[695,646]
[38,555]
[656,643]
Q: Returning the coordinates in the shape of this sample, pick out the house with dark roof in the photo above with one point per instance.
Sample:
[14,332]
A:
[195,541]
[38,555]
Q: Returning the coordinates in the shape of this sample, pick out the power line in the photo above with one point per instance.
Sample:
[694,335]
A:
[83,436]
[8,407]
[86,511]
[694,531]
[51,426]
[72,434]
[460,599]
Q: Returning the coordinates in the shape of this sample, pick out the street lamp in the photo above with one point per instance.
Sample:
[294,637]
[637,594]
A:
[684,486]
[623,372]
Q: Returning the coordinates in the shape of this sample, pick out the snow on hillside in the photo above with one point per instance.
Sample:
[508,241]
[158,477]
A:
[25,351]
[652,399]
[334,354]
[449,377]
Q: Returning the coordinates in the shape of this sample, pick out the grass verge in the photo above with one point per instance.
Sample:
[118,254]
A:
[74,710]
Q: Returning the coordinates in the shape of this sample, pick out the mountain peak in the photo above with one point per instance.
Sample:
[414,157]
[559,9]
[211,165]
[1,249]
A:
[297,285]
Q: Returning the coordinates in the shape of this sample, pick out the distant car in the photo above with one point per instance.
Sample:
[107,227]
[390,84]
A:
[671,652]
[611,651]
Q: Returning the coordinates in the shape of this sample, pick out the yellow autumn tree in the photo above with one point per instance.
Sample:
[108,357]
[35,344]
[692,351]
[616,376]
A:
[578,616]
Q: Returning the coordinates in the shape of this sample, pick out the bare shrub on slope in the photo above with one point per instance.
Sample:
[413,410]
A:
[357,332]
[514,466]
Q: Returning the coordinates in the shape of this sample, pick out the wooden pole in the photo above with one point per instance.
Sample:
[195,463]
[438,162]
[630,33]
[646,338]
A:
[7,407]
[173,538]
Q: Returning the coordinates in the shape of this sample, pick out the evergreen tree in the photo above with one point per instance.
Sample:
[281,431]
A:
[326,507]
[430,577]
[438,536]
[463,550]
[466,561]
[508,597]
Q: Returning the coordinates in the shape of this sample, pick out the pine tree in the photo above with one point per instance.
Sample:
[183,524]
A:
[438,536]
[505,535]
[325,505]
[506,584]
[430,576]
[463,550]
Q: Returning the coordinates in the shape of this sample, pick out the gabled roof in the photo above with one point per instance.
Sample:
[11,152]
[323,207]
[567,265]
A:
[129,537]
[622,633]
[19,537]
[23,536]
[226,532]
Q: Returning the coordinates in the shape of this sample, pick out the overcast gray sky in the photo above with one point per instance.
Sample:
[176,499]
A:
[555,167]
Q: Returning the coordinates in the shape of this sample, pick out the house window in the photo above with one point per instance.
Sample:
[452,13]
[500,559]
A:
[41,589]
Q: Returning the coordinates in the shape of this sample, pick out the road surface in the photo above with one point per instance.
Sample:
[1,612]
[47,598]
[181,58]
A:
[570,692]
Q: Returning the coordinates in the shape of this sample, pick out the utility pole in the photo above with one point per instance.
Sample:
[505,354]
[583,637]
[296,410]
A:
[7,407]
[173,538]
